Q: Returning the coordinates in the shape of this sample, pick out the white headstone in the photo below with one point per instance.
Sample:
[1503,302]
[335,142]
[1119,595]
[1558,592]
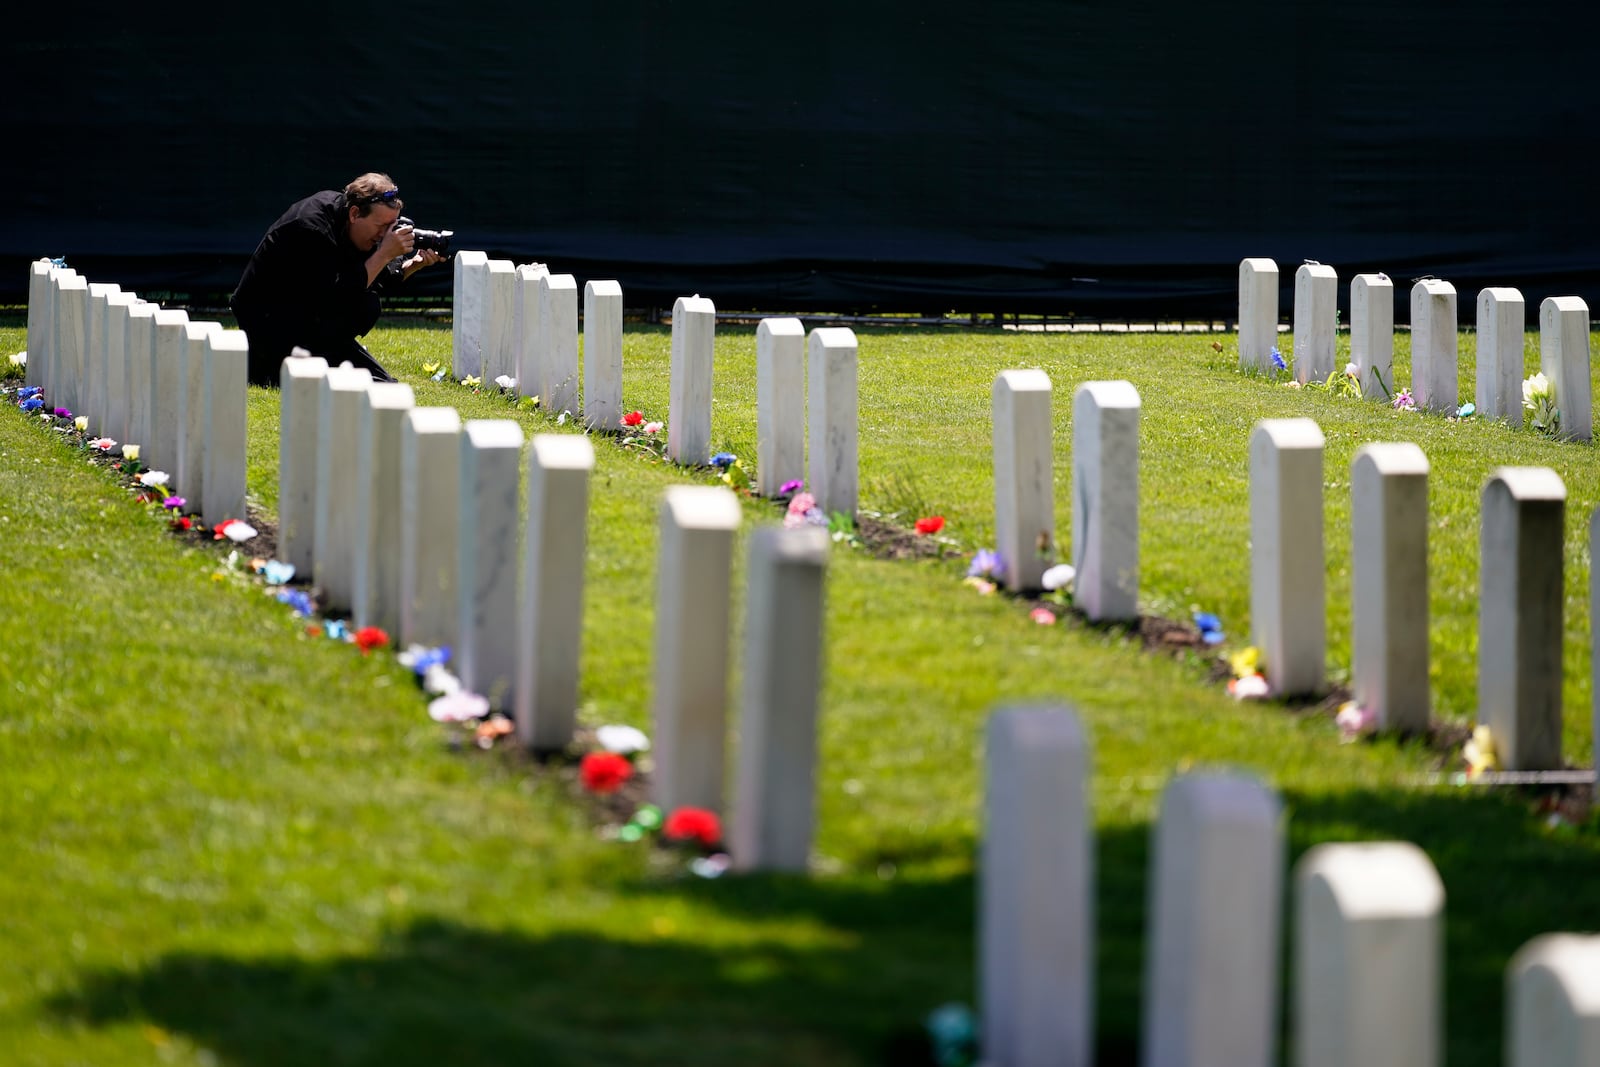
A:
[550,621]
[299,413]
[1036,943]
[602,355]
[1501,318]
[1024,487]
[486,555]
[558,319]
[1519,615]
[430,520]
[466,314]
[694,327]
[780,404]
[1564,359]
[689,700]
[92,389]
[500,344]
[334,511]
[831,411]
[165,386]
[38,316]
[375,581]
[114,413]
[225,425]
[1211,958]
[529,329]
[189,474]
[1258,314]
[1368,954]
[1553,1008]
[1433,346]
[1372,334]
[1594,625]
[139,368]
[1389,591]
[1287,601]
[1316,321]
[775,791]
[1105,500]
[67,366]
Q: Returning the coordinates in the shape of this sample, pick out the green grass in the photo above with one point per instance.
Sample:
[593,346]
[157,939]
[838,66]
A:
[229,842]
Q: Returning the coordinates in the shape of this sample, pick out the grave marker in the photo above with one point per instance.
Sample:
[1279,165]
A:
[299,414]
[1389,590]
[1501,315]
[1105,500]
[1258,314]
[1564,359]
[1024,493]
[558,319]
[92,388]
[1433,345]
[1372,334]
[1368,952]
[486,558]
[66,366]
[375,581]
[38,316]
[550,634]
[602,355]
[775,788]
[225,384]
[780,404]
[689,700]
[1287,601]
[114,421]
[694,326]
[831,411]
[139,364]
[1211,963]
[333,535]
[430,520]
[529,330]
[1036,943]
[165,384]
[1553,1007]
[500,343]
[1316,321]
[1519,616]
[466,314]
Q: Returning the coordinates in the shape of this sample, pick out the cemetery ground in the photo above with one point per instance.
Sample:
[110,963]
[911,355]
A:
[229,842]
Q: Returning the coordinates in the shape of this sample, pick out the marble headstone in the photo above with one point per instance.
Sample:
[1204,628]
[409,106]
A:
[1501,317]
[1105,500]
[1258,314]
[694,326]
[1288,605]
[1434,375]
[486,555]
[1389,590]
[1024,486]
[1316,321]
[602,355]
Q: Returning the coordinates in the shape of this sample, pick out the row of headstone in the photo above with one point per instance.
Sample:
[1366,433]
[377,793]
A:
[410,520]
[1367,944]
[1520,593]
[145,375]
[1563,340]
[521,322]
[1105,490]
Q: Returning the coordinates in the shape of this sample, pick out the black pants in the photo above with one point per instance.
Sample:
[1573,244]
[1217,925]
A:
[268,354]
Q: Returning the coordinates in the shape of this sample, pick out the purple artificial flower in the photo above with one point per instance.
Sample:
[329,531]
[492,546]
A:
[174,502]
[62,413]
[986,564]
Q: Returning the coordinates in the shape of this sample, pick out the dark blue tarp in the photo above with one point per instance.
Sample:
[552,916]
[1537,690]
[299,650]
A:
[1094,158]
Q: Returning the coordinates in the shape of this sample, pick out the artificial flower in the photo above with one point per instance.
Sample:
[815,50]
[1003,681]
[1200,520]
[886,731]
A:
[1480,752]
[1352,371]
[460,706]
[33,404]
[1535,388]
[438,680]
[1058,577]
[1355,721]
[723,459]
[492,728]
[183,522]
[19,359]
[693,824]
[431,368]
[622,740]
[153,479]
[234,530]
[1043,616]
[1278,360]
[1466,411]
[81,423]
[369,638]
[472,381]
[62,413]
[420,657]
[604,772]
[792,486]
[653,427]
[338,629]
[277,572]
[1250,687]
[1210,627]
[712,866]
[298,600]
[505,381]
[982,585]
[173,503]
[1403,402]
[1245,662]
[29,391]
[930,525]
[130,452]
[633,418]
[438,376]
[103,444]
[986,563]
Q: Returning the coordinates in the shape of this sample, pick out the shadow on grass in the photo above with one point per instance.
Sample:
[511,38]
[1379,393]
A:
[437,991]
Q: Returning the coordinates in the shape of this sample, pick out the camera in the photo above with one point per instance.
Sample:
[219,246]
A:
[438,240]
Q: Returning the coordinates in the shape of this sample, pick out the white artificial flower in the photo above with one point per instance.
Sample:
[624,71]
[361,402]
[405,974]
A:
[1058,577]
[506,381]
[622,740]
[459,706]
[439,681]
[239,531]
[151,479]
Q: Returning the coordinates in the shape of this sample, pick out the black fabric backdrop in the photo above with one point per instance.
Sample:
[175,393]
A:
[1096,158]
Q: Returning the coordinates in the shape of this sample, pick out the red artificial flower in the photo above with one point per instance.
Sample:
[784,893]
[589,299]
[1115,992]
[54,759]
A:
[369,638]
[604,772]
[633,418]
[693,824]
[183,523]
[930,525]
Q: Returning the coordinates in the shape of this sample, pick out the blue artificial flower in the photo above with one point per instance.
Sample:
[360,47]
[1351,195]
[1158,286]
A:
[723,459]
[297,599]
[1210,627]
[986,564]
[1277,359]
[1466,411]
[439,377]
[33,404]
[277,572]
[338,629]
[430,658]
[29,391]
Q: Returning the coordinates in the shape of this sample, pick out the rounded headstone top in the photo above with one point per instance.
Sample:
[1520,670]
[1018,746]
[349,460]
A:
[805,545]
[563,451]
[1565,303]
[298,364]
[1528,483]
[1572,959]
[781,327]
[559,281]
[701,507]
[1500,294]
[200,329]
[470,258]
[1218,796]
[1433,287]
[606,287]
[1373,281]
[1258,266]
[501,266]
[1392,457]
[693,305]
[494,433]
[1315,270]
[1290,433]
[1031,380]
[833,337]
[434,420]
[236,341]
[1376,879]
[171,317]
[391,395]
[1116,394]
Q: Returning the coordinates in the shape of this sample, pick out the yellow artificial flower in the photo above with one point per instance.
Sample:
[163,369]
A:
[1479,752]
[1245,662]
[81,422]
[130,451]
[472,381]
[431,369]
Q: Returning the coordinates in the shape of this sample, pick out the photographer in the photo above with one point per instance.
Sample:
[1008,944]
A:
[314,279]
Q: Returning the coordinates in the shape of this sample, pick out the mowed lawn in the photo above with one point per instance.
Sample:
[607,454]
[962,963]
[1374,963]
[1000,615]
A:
[229,842]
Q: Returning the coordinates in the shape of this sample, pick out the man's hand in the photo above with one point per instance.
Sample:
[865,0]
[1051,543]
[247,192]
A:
[397,242]
[425,258]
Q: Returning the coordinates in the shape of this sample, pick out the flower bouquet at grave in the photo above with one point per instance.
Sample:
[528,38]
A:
[15,367]
[732,473]
[647,438]
[1539,398]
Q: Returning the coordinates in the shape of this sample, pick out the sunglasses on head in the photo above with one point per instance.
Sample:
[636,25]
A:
[388,197]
